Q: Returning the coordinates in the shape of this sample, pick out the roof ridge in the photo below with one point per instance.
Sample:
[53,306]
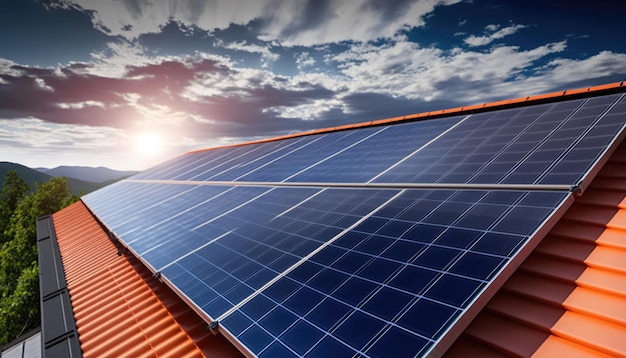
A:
[558,95]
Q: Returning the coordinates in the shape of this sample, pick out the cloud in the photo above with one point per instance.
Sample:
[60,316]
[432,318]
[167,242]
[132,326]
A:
[204,99]
[292,23]
[493,34]
[266,53]
[404,69]
[30,141]
[348,20]
[304,60]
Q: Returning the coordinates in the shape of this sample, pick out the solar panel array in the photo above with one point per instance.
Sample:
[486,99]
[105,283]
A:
[326,245]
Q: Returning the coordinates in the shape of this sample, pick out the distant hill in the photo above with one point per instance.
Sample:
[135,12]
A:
[88,174]
[32,176]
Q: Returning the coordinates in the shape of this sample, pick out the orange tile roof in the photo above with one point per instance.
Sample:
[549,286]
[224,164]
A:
[120,309]
[568,299]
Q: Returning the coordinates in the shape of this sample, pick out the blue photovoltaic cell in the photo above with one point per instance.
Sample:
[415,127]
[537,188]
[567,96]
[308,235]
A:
[396,281]
[324,147]
[272,152]
[193,162]
[218,244]
[238,165]
[379,152]
[544,144]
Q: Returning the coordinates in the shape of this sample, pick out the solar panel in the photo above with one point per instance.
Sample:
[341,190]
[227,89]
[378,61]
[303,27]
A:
[325,244]
[308,158]
[530,145]
[390,276]
[338,248]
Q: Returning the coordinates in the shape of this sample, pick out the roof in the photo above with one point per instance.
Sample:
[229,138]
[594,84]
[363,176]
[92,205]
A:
[569,297]
[120,309]
[578,263]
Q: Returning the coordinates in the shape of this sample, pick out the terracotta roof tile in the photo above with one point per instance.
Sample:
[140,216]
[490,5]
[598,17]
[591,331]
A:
[120,309]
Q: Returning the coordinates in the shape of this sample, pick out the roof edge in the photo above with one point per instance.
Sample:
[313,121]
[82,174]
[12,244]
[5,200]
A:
[59,335]
[563,95]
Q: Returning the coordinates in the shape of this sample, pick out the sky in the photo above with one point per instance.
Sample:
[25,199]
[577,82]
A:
[127,84]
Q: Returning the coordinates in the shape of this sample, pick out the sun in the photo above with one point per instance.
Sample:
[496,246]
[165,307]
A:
[149,144]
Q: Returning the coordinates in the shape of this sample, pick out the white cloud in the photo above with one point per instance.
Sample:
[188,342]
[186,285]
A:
[403,69]
[603,64]
[347,20]
[494,35]
[291,22]
[7,67]
[265,51]
[81,105]
[304,60]
[113,61]
[492,27]
[307,111]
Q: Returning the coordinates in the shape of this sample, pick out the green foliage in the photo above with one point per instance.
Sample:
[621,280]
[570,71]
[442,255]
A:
[19,279]
[19,311]
[13,191]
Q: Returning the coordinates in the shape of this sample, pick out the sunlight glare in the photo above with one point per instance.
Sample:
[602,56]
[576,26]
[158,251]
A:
[149,144]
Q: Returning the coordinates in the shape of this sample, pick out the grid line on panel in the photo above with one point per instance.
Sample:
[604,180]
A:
[549,136]
[300,203]
[306,258]
[515,139]
[250,149]
[278,158]
[194,161]
[490,137]
[418,149]
[275,147]
[359,307]
[194,251]
[539,136]
[580,138]
[231,210]
[334,154]
[153,205]
[190,208]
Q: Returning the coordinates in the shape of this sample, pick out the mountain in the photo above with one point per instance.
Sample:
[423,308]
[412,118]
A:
[32,176]
[88,174]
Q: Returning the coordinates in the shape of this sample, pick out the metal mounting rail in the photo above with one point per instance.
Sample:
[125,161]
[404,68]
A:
[447,186]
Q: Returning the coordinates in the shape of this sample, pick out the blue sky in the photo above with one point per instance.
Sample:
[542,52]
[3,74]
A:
[83,81]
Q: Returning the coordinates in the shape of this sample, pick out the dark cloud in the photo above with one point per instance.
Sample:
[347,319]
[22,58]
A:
[314,14]
[372,106]
[388,10]
[136,7]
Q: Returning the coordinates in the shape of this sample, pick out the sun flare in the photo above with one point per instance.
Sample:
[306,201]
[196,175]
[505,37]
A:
[149,144]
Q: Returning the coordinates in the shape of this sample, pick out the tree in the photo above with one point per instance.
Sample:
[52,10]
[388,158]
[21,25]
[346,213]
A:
[19,271]
[19,312]
[13,191]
